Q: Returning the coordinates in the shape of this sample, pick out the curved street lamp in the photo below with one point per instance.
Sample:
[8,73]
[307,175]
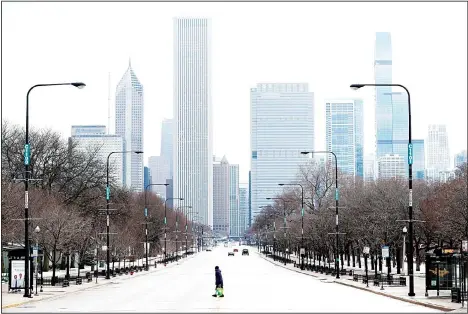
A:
[410,183]
[27,158]
[107,205]
[337,262]
[146,220]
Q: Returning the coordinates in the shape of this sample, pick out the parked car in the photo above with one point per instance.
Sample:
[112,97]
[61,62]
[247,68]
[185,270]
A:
[208,249]
[236,250]
[230,253]
[245,252]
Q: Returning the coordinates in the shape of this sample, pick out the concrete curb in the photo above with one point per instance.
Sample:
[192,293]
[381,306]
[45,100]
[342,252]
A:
[429,305]
[52,297]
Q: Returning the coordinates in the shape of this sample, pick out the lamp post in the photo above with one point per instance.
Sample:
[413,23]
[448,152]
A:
[165,224]
[410,182]
[27,159]
[146,220]
[366,254]
[186,227]
[37,230]
[404,250]
[284,216]
[302,215]
[337,262]
[107,206]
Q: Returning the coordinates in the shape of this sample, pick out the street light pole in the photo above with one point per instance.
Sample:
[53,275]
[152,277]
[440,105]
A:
[37,230]
[27,159]
[302,215]
[107,207]
[146,220]
[337,259]
[186,227]
[410,183]
[165,224]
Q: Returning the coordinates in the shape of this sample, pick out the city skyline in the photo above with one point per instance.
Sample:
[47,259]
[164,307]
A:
[152,63]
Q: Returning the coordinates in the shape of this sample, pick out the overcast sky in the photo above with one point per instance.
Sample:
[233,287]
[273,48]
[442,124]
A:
[328,45]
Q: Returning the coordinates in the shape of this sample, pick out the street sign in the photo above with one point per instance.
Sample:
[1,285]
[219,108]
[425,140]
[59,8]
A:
[108,193]
[165,220]
[302,252]
[35,252]
[385,252]
[302,211]
[146,212]
[465,246]
[337,194]
[410,153]
[27,154]
[104,247]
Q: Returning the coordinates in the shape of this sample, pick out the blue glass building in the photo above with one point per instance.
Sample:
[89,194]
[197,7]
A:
[391,111]
[345,135]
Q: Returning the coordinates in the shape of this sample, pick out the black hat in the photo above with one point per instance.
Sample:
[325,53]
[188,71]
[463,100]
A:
[216,267]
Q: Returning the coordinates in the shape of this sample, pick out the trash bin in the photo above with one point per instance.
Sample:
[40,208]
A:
[456,295]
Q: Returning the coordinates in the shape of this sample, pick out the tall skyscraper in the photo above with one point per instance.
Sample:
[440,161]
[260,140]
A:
[391,110]
[90,137]
[345,134]
[221,198]
[129,125]
[281,127]
[234,212]
[243,207]
[460,158]
[192,145]
[167,142]
[159,170]
[391,166]
[437,150]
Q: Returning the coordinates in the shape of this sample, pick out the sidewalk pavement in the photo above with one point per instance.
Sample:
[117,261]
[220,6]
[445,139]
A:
[442,303]
[14,299]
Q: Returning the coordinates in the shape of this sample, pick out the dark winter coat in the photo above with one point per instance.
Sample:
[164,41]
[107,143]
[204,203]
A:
[219,278]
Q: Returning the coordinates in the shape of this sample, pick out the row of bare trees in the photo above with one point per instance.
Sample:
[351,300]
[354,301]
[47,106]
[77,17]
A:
[66,200]
[370,213]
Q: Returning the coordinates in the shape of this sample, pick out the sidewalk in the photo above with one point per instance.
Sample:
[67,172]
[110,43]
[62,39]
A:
[14,299]
[442,303]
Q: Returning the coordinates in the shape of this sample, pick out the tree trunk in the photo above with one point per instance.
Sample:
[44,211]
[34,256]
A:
[372,261]
[45,264]
[54,255]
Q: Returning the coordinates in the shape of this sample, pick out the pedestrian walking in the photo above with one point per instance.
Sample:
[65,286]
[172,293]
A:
[219,283]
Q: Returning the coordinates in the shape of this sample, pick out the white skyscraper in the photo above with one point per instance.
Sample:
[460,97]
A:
[234,221]
[221,197]
[90,137]
[244,207]
[281,127]
[129,125]
[391,166]
[437,150]
[192,149]
[159,170]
